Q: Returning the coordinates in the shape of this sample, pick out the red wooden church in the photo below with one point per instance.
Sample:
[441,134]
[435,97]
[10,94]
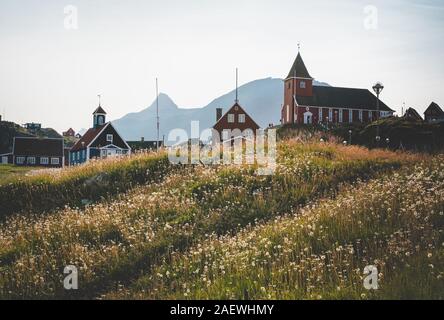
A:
[305,103]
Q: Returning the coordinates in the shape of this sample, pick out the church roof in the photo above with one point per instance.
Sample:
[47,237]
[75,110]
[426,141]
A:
[342,98]
[88,137]
[299,69]
[99,110]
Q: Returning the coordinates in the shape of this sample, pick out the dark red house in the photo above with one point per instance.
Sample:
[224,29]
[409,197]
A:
[69,133]
[234,123]
[46,152]
[305,103]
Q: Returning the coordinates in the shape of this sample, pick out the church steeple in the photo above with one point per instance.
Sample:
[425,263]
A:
[99,116]
[299,83]
[299,70]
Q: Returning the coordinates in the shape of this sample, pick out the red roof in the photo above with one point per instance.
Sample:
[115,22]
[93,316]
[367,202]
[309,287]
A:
[49,147]
[87,138]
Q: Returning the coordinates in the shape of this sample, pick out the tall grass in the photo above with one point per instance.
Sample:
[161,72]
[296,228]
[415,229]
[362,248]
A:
[114,241]
[395,223]
[76,186]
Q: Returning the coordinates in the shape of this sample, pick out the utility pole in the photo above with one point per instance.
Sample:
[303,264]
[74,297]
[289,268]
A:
[157,115]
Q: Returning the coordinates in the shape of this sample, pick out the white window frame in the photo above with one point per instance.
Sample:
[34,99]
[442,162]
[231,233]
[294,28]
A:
[20,160]
[55,161]
[44,160]
[109,138]
[320,115]
[241,118]
[330,114]
[350,115]
[230,118]
[370,115]
[5,160]
[225,135]
[30,160]
[361,115]
[302,85]
[340,115]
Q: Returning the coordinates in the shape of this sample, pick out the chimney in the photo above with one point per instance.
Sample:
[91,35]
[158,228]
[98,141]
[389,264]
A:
[218,114]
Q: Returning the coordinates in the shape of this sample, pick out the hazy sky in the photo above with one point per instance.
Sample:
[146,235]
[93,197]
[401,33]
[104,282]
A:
[52,75]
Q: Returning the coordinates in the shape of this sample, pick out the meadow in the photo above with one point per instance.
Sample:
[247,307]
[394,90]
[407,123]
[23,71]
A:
[224,232]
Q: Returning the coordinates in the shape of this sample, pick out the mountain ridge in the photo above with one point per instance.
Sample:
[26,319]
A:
[261,98]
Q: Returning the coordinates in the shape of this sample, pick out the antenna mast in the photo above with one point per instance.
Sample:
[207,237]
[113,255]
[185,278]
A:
[237,83]
[157,114]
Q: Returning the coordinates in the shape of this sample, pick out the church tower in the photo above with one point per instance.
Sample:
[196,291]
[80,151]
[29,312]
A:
[298,83]
[99,117]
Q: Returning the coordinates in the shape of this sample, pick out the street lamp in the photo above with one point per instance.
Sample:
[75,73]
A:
[378,87]
[349,137]
[387,141]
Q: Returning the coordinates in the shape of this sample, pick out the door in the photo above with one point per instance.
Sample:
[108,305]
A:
[308,118]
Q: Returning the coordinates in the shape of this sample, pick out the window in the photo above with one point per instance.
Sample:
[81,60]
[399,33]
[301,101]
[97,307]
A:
[225,135]
[350,116]
[78,155]
[230,118]
[302,85]
[55,161]
[360,115]
[340,115]
[320,115]
[241,118]
[330,115]
[289,85]
[100,120]
[20,160]
[109,138]
[4,160]
[83,154]
[44,160]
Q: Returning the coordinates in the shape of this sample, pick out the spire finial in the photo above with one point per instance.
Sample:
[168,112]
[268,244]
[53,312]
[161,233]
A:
[100,96]
[237,78]
[299,47]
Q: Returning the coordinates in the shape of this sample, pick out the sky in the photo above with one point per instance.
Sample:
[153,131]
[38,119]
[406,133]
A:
[54,60]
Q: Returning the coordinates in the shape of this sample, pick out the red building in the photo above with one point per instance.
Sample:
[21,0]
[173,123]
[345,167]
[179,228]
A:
[434,113]
[69,133]
[305,103]
[234,123]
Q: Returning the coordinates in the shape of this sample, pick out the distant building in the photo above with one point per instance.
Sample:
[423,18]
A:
[78,136]
[434,113]
[234,123]
[100,141]
[6,158]
[305,103]
[69,133]
[143,144]
[411,113]
[33,127]
[30,151]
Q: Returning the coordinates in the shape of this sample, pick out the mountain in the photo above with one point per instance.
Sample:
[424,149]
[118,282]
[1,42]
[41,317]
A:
[262,99]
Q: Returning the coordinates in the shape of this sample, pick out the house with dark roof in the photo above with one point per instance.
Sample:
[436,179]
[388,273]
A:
[434,113]
[38,152]
[411,113]
[69,133]
[305,103]
[235,123]
[100,141]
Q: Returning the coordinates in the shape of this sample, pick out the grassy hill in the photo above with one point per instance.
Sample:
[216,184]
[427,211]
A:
[210,232]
